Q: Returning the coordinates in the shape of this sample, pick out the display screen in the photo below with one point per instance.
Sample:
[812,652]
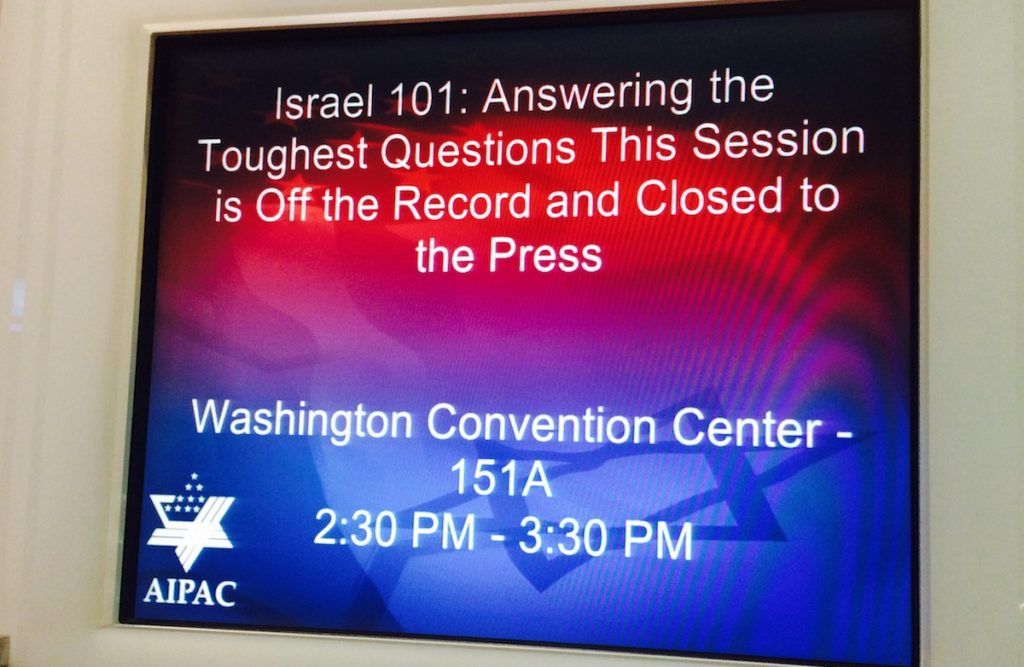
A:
[583,330]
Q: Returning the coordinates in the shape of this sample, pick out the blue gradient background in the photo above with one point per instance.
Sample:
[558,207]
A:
[802,555]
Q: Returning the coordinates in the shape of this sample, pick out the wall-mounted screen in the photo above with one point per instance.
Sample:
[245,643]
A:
[583,330]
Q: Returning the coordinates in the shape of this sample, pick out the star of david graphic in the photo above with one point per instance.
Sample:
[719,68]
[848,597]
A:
[190,537]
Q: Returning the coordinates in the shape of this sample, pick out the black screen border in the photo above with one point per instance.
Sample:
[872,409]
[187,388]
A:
[163,45]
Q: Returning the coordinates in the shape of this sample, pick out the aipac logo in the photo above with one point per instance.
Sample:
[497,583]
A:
[189,537]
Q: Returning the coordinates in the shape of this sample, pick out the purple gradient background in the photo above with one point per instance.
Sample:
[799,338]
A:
[798,555]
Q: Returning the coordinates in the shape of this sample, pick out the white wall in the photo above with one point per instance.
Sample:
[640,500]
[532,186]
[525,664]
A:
[72,82]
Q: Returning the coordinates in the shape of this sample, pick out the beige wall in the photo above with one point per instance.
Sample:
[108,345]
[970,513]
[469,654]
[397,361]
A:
[72,83]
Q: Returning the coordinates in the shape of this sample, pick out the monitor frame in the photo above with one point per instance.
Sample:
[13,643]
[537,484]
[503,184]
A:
[527,14]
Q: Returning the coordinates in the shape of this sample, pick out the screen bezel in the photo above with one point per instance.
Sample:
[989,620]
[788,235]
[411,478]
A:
[437,21]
